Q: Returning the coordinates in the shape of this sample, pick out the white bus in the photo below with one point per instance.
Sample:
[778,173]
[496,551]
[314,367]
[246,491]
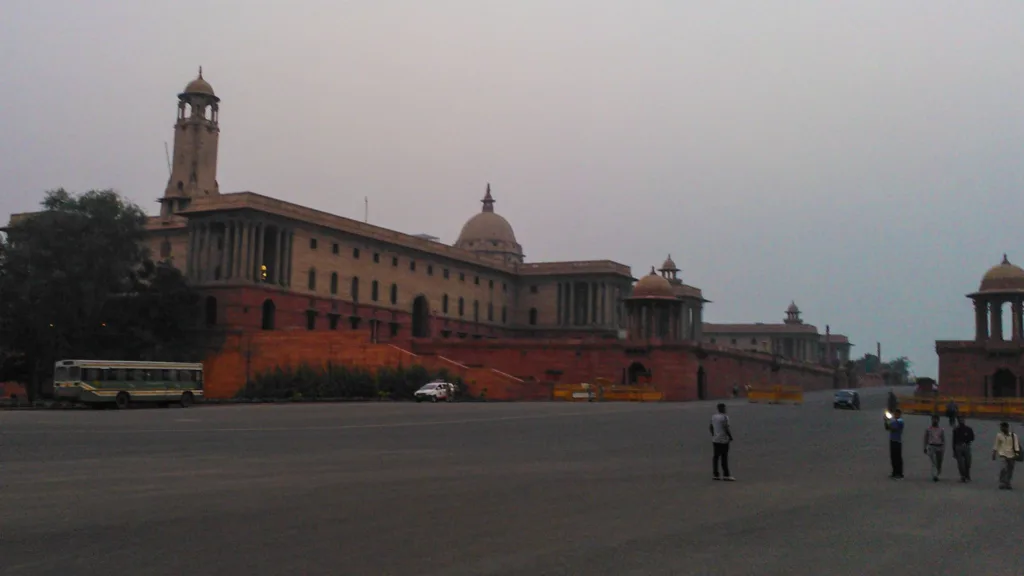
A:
[122,382]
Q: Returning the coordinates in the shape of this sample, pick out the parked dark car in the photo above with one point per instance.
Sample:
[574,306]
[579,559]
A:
[847,399]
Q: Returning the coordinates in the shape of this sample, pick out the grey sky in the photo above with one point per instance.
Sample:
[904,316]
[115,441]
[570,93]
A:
[862,158]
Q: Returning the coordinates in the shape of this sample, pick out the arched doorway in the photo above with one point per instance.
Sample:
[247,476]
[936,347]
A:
[211,311]
[269,311]
[702,384]
[634,372]
[420,317]
[1004,384]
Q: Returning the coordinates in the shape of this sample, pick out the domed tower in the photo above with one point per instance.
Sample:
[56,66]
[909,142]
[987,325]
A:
[669,271]
[194,164]
[490,235]
[1002,284]
[654,311]
[792,314]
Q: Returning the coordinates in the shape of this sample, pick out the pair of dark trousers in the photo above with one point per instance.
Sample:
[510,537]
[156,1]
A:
[962,453]
[896,457]
[721,453]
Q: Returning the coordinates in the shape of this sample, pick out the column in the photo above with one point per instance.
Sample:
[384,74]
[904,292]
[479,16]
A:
[208,252]
[246,272]
[223,251]
[190,256]
[236,249]
[260,231]
[568,303]
[604,303]
[291,246]
[1016,308]
[997,319]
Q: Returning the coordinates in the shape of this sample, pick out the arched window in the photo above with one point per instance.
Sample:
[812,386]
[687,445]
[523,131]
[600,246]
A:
[355,288]
[334,282]
[444,304]
[490,312]
[394,293]
[533,316]
[462,306]
[476,310]
[312,278]
[211,311]
[269,311]
[373,291]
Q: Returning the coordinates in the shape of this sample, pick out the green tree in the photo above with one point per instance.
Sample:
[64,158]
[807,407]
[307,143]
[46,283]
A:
[76,280]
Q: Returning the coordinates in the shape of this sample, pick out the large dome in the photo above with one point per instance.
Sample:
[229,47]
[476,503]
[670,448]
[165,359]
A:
[1003,276]
[652,286]
[199,86]
[490,235]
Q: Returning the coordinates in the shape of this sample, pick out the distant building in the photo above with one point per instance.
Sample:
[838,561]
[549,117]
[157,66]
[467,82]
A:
[791,339]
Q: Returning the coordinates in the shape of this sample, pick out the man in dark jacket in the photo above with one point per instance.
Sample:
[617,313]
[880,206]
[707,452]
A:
[963,437]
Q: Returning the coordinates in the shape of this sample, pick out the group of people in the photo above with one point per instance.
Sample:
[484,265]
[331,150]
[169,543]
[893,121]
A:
[1006,448]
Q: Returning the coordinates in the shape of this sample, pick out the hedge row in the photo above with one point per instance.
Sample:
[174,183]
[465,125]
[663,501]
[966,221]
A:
[330,381]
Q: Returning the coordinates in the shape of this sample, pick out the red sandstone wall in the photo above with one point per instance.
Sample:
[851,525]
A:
[966,367]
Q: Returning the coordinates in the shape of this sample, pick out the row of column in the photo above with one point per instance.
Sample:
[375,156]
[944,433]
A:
[239,250]
[795,348]
[588,304]
[988,314]
[674,321]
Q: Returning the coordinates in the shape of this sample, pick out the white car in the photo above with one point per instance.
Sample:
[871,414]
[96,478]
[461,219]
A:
[435,392]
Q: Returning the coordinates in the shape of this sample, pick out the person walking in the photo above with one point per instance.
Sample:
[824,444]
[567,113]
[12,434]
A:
[951,412]
[895,427]
[1007,449]
[721,437]
[935,446]
[963,437]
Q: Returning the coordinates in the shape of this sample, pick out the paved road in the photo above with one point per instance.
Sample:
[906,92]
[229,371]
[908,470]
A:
[503,489]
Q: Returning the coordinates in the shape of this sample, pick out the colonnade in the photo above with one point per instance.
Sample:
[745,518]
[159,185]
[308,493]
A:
[589,304]
[236,250]
[665,319]
[988,317]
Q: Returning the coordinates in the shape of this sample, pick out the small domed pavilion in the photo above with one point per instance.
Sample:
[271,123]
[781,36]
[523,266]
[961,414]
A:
[1002,284]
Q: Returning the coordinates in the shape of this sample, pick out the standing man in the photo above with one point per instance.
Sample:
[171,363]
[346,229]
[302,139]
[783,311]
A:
[1007,447]
[895,427]
[721,436]
[935,446]
[951,411]
[963,437]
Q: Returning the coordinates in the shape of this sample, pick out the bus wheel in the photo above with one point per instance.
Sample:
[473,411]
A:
[121,400]
[186,399]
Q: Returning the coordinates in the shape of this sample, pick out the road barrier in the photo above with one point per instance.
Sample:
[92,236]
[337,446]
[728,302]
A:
[776,394]
[600,393]
[969,407]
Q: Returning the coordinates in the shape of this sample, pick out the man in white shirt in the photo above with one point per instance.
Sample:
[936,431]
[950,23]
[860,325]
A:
[721,436]
[1006,448]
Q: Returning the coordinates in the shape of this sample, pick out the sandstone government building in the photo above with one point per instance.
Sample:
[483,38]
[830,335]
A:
[270,268]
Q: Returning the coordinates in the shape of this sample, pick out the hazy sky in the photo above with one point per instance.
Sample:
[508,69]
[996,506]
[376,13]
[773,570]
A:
[863,158]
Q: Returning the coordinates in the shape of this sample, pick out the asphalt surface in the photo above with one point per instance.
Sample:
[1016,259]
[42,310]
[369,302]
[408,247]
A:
[503,489]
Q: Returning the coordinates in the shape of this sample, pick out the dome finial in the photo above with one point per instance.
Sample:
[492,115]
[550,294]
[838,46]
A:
[1006,261]
[488,200]
[652,271]
[200,71]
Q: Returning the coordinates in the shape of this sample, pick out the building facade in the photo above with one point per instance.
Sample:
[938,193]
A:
[791,339]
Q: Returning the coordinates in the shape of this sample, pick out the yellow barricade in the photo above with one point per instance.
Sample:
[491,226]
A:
[969,407]
[605,393]
[776,394]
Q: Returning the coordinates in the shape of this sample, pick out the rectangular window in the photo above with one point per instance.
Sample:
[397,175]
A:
[376,258]
[75,373]
[462,277]
[310,320]
[533,289]
[394,261]
[490,284]
[184,375]
[355,253]
[504,287]
[335,249]
[412,265]
[430,270]
[445,274]
[332,321]
[394,329]
[60,374]
[476,280]
[312,243]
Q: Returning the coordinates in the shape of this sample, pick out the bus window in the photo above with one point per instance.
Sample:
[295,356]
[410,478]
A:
[60,374]
[199,378]
[121,374]
[184,375]
[169,375]
[75,374]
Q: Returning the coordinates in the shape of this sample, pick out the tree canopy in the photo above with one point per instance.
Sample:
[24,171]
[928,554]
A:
[76,281]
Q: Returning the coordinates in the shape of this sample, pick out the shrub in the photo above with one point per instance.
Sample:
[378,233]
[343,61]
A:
[330,381]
